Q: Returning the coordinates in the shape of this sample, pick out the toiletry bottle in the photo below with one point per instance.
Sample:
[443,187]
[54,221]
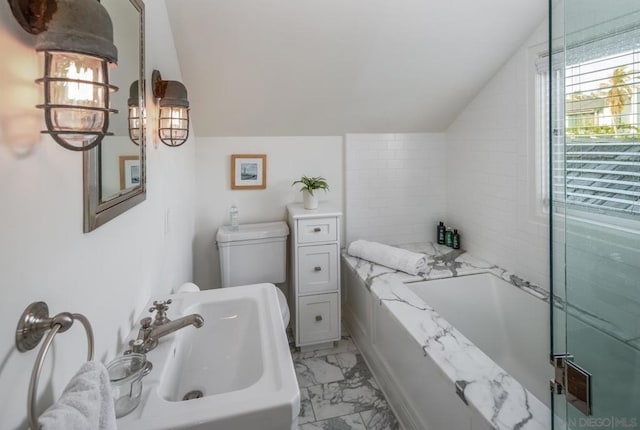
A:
[440,230]
[233,213]
[456,239]
[448,238]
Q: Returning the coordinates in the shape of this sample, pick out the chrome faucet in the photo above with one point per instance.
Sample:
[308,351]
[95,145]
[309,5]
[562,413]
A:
[151,331]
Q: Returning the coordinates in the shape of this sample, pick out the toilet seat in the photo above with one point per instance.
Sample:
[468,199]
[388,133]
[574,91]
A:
[284,307]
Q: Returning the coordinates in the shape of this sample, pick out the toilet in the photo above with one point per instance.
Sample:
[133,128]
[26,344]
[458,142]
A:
[254,254]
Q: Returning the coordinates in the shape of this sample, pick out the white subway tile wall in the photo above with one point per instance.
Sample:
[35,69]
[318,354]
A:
[395,186]
[491,173]
[479,177]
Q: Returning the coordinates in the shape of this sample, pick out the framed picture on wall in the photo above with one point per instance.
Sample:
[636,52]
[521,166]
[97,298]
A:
[129,171]
[248,171]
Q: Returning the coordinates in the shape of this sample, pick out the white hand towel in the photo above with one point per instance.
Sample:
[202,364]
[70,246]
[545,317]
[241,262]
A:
[85,404]
[389,256]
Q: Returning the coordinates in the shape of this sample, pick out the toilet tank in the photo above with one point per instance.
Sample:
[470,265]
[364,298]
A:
[254,254]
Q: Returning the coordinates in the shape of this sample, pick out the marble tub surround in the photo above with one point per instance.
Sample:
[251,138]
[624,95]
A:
[497,396]
[500,399]
[442,262]
[338,391]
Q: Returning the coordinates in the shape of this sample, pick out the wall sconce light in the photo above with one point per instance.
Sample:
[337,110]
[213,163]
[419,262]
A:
[75,38]
[173,119]
[137,118]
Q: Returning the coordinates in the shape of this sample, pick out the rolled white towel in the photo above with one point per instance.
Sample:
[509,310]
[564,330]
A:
[187,287]
[85,403]
[389,256]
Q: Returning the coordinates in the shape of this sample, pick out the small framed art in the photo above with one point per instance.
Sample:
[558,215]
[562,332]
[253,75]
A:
[248,171]
[129,171]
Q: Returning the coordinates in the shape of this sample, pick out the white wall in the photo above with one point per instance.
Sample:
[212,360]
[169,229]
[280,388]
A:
[107,274]
[491,171]
[288,158]
[395,186]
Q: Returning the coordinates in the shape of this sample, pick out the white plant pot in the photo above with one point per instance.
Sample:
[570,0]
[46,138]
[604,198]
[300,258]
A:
[310,200]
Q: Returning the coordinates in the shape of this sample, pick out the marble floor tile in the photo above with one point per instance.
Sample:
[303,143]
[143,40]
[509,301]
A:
[346,397]
[345,344]
[352,365]
[380,419]
[347,422]
[314,371]
[338,390]
[306,411]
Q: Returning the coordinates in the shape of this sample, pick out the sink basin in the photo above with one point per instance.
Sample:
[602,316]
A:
[236,370]
[228,359]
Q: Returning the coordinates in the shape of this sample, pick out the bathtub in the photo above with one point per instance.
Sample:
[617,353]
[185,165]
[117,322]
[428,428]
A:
[506,323]
[467,351]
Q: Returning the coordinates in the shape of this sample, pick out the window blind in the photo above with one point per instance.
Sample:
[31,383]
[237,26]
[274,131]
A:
[602,145]
[596,148]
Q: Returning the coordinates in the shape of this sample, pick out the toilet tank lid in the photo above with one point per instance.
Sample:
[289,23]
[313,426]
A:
[253,231]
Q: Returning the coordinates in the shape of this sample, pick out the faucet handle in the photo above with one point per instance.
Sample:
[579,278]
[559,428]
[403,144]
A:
[160,306]
[161,314]
[146,322]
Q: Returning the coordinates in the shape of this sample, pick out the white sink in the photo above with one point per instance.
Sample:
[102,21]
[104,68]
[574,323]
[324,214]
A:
[239,360]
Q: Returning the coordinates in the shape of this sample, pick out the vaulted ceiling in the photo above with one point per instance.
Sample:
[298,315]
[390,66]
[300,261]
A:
[328,67]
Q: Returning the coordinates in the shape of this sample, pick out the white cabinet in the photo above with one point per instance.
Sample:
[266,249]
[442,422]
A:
[317,230]
[317,269]
[315,285]
[318,318]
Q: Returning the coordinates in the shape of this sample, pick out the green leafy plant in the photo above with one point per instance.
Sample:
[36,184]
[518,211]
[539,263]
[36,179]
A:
[310,184]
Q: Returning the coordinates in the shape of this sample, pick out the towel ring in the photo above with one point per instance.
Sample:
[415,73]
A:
[35,321]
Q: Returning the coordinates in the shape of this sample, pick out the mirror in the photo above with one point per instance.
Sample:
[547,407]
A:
[114,171]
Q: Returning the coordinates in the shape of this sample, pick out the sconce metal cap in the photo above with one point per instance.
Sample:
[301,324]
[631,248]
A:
[81,26]
[175,95]
[134,99]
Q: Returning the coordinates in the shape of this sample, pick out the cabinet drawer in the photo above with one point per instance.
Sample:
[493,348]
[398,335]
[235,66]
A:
[317,230]
[318,318]
[317,268]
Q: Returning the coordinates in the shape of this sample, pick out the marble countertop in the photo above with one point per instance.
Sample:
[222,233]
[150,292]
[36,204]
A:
[495,394]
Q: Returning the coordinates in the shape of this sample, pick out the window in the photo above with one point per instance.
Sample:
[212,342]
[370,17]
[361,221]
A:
[602,158]
[596,150]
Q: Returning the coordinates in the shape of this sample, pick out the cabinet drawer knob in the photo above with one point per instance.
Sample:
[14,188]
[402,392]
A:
[317,230]
[318,317]
[317,269]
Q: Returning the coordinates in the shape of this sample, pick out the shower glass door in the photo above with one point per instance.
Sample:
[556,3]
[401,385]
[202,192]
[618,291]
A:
[595,209]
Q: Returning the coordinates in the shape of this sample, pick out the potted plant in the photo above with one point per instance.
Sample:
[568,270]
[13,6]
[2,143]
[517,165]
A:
[308,186]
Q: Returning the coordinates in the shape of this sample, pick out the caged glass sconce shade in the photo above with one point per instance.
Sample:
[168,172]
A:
[173,118]
[76,99]
[75,41]
[136,116]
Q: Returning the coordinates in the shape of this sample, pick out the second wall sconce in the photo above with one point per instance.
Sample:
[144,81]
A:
[173,118]
[75,38]
[137,118]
